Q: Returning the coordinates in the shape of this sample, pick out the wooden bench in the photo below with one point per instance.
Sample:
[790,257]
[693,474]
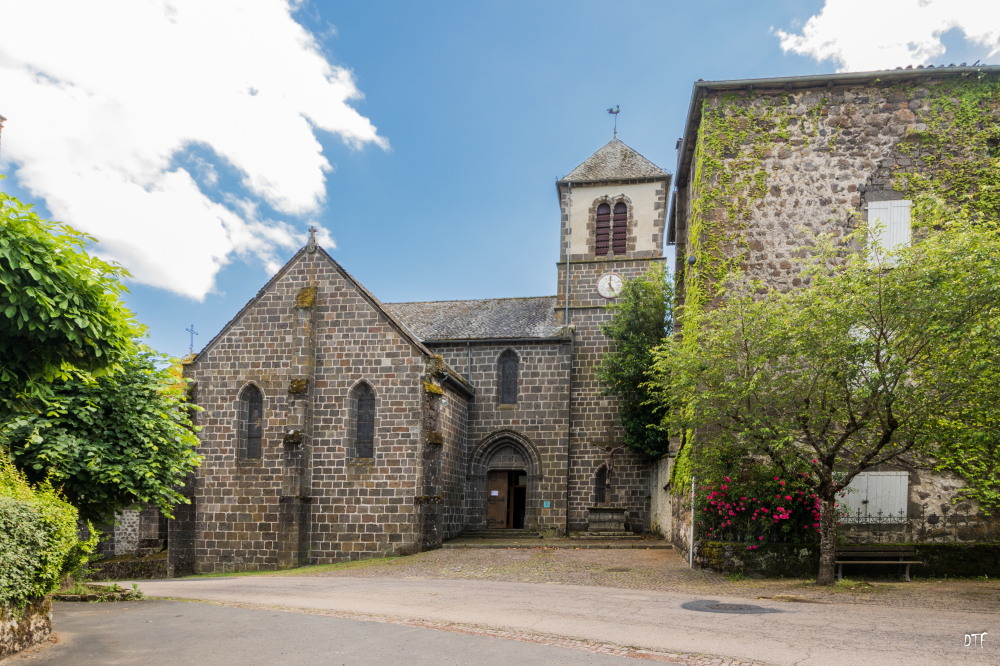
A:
[902,556]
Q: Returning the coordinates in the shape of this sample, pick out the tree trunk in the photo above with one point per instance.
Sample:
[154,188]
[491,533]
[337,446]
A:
[827,541]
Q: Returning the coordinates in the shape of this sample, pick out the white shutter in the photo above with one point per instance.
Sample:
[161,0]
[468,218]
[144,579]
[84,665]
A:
[877,497]
[893,220]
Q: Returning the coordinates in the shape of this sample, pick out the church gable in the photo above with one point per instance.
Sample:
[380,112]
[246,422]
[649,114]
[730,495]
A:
[311,389]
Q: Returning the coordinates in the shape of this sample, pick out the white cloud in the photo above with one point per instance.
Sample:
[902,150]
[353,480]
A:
[102,99]
[859,35]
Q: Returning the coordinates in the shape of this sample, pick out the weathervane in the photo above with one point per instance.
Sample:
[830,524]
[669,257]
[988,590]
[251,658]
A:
[614,112]
[193,333]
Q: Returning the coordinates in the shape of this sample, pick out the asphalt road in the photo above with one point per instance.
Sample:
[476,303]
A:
[797,633]
[177,632]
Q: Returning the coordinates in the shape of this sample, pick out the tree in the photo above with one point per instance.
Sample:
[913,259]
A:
[60,307]
[82,403]
[872,363]
[111,441]
[641,318]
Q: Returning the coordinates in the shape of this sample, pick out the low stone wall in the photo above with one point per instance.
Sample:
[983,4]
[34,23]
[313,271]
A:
[959,560]
[130,568]
[769,561]
[24,627]
[940,560]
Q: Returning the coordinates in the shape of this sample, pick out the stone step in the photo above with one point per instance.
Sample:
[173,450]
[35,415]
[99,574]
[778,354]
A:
[500,534]
[607,535]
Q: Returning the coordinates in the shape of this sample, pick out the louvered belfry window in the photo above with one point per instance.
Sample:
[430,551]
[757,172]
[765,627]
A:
[602,241]
[619,228]
[508,377]
[364,421]
[251,422]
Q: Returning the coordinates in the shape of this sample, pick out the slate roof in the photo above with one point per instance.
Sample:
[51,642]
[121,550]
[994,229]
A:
[614,161]
[490,318]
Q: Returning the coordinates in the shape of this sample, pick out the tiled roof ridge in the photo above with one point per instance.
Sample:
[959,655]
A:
[472,300]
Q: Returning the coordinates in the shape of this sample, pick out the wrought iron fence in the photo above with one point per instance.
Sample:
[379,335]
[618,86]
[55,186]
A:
[924,525]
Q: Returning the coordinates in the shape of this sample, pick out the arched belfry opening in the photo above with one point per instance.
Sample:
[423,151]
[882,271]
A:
[504,476]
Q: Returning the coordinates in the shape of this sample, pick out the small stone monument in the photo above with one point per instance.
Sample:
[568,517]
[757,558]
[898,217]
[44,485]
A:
[605,519]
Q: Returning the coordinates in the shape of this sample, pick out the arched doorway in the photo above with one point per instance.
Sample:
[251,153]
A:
[504,472]
[507,499]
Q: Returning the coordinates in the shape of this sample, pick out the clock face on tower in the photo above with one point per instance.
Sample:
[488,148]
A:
[609,285]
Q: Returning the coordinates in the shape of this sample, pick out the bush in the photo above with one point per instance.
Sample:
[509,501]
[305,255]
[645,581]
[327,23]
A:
[39,543]
[757,507]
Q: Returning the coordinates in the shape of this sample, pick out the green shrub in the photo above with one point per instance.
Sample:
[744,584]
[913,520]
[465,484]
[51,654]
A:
[39,543]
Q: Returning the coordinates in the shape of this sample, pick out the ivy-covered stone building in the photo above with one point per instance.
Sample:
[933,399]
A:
[765,166]
[335,426]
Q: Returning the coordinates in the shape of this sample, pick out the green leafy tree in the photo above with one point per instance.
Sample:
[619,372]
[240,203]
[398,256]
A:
[111,441]
[60,307]
[641,319]
[869,364]
[82,404]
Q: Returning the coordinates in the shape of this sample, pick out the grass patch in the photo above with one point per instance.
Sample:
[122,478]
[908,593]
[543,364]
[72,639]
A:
[83,591]
[848,585]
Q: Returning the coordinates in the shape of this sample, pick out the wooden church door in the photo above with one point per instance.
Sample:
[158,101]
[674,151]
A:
[496,501]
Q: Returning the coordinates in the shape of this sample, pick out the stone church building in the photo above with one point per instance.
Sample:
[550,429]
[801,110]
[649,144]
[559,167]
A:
[335,426]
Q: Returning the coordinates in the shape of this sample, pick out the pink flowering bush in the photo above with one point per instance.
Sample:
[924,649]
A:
[757,509]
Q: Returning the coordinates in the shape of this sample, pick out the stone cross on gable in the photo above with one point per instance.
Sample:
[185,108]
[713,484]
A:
[312,238]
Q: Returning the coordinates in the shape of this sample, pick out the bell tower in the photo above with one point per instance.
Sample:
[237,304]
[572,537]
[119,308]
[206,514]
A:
[614,210]
[613,215]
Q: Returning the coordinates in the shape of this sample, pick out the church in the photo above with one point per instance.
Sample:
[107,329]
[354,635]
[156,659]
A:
[337,427]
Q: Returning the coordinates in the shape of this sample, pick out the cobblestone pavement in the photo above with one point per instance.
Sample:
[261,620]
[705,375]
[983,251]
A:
[667,570]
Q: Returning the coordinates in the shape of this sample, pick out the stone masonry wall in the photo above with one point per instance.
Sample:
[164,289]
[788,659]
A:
[594,415]
[832,150]
[307,499]
[829,152]
[453,424]
[24,627]
[537,421]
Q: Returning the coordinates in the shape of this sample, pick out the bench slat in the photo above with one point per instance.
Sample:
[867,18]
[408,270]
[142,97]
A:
[878,562]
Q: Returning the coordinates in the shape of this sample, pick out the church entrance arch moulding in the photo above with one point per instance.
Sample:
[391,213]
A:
[504,473]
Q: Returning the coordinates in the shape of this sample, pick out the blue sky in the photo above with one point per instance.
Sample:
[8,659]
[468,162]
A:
[199,141]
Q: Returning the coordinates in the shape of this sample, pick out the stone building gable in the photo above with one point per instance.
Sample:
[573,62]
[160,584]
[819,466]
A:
[305,298]
[309,339]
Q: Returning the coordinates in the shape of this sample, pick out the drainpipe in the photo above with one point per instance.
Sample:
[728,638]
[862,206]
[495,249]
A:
[691,540]
[569,422]
[569,201]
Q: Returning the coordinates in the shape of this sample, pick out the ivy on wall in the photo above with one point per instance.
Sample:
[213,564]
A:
[953,173]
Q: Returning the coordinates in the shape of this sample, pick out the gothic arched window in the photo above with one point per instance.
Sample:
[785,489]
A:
[602,231]
[251,422]
[508,370]
[363,420]
[619,228]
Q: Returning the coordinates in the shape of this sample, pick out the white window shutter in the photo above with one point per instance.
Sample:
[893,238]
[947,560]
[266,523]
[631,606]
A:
[893,221]
[898,224]
[877,497]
